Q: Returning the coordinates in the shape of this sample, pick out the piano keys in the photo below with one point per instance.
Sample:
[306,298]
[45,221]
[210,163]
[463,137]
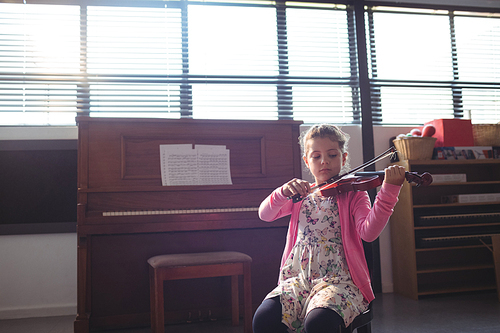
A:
[126,216]
[181,211]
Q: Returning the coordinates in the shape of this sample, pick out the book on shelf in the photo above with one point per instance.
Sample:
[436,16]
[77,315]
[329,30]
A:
[449,178]
[465,153]
[471,198]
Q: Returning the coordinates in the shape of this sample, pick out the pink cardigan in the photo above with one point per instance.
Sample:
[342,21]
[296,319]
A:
[358,221]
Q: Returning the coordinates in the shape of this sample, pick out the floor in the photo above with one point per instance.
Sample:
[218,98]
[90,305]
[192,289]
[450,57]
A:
[464,313]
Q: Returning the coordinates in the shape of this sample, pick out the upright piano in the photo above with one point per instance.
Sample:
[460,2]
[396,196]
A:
[126,216]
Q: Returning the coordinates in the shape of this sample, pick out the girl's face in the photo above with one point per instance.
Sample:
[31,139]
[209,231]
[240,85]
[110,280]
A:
[324,158]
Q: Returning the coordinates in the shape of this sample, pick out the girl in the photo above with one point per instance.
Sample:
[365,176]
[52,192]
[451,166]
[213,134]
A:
[324,280]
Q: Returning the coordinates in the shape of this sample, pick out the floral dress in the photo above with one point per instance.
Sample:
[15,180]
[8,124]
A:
[315,275]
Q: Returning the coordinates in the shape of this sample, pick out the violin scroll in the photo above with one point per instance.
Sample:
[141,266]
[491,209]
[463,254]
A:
[424,179]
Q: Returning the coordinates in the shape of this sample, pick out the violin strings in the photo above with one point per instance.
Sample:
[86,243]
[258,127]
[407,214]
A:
[388,153]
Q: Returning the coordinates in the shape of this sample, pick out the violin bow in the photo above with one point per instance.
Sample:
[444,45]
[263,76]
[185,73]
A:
[389,152]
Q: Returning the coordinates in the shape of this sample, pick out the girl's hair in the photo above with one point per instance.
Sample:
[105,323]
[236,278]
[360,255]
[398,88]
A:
[326,131]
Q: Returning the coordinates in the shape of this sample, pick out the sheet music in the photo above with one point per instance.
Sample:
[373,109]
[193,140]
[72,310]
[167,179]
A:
[202,165]
[213,162]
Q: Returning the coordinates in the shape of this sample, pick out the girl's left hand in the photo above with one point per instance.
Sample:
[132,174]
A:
[395,175]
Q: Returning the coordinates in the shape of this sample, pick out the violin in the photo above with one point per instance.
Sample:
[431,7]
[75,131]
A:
[363,181]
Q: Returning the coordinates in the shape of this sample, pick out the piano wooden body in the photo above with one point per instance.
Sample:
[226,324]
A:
[126,216]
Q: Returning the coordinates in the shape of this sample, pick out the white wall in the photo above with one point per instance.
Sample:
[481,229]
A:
[37,272]
[39,133]
[37,275]
[381,135]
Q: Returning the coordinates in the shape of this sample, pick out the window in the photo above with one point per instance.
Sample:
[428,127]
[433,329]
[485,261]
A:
[172,59]
[436,64]
[478,51]
[252,59]
[130,55]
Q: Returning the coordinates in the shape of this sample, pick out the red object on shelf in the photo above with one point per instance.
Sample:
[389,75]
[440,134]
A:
[428,130]
[452,132]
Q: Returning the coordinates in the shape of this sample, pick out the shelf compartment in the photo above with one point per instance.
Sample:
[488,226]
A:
[475,170]
[456,281]
[453,259]
[452,220]
[454,289]
[460,236]
[454,209]
[431,249]
[451,268]
[463,183]
[448,163]
[456,205]
[433,195]
[431,227]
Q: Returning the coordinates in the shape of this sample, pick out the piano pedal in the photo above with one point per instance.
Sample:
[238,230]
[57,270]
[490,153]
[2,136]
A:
[189,321]
[210,316]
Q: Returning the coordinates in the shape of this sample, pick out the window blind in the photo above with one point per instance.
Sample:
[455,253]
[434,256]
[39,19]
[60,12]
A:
[478,56]
[243,60]
[320,46]
[435,64]
[220,59]
[134,61]
[40,64]
[234,56]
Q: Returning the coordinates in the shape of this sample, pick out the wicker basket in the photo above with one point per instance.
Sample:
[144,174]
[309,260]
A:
[415,148]
[486,134]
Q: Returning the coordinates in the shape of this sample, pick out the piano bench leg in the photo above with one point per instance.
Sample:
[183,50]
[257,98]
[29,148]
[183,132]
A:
[235,304]
[157,302]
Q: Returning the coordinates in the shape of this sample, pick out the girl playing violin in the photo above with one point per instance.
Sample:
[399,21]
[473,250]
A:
[324,280]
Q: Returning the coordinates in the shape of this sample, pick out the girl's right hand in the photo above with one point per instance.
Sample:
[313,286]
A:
[296,186]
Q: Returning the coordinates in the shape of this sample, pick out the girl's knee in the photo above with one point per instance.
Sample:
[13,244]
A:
[321,320]
[267,318]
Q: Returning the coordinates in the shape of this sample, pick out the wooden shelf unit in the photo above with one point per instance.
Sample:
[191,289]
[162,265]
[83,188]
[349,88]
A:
[423,267]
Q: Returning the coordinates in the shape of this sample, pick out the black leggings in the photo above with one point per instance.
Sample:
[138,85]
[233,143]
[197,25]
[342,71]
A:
[267,319]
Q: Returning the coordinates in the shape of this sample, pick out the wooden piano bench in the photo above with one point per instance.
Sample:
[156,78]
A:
[200,265]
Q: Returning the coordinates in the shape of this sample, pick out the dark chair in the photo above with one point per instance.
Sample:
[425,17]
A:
[362,323]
